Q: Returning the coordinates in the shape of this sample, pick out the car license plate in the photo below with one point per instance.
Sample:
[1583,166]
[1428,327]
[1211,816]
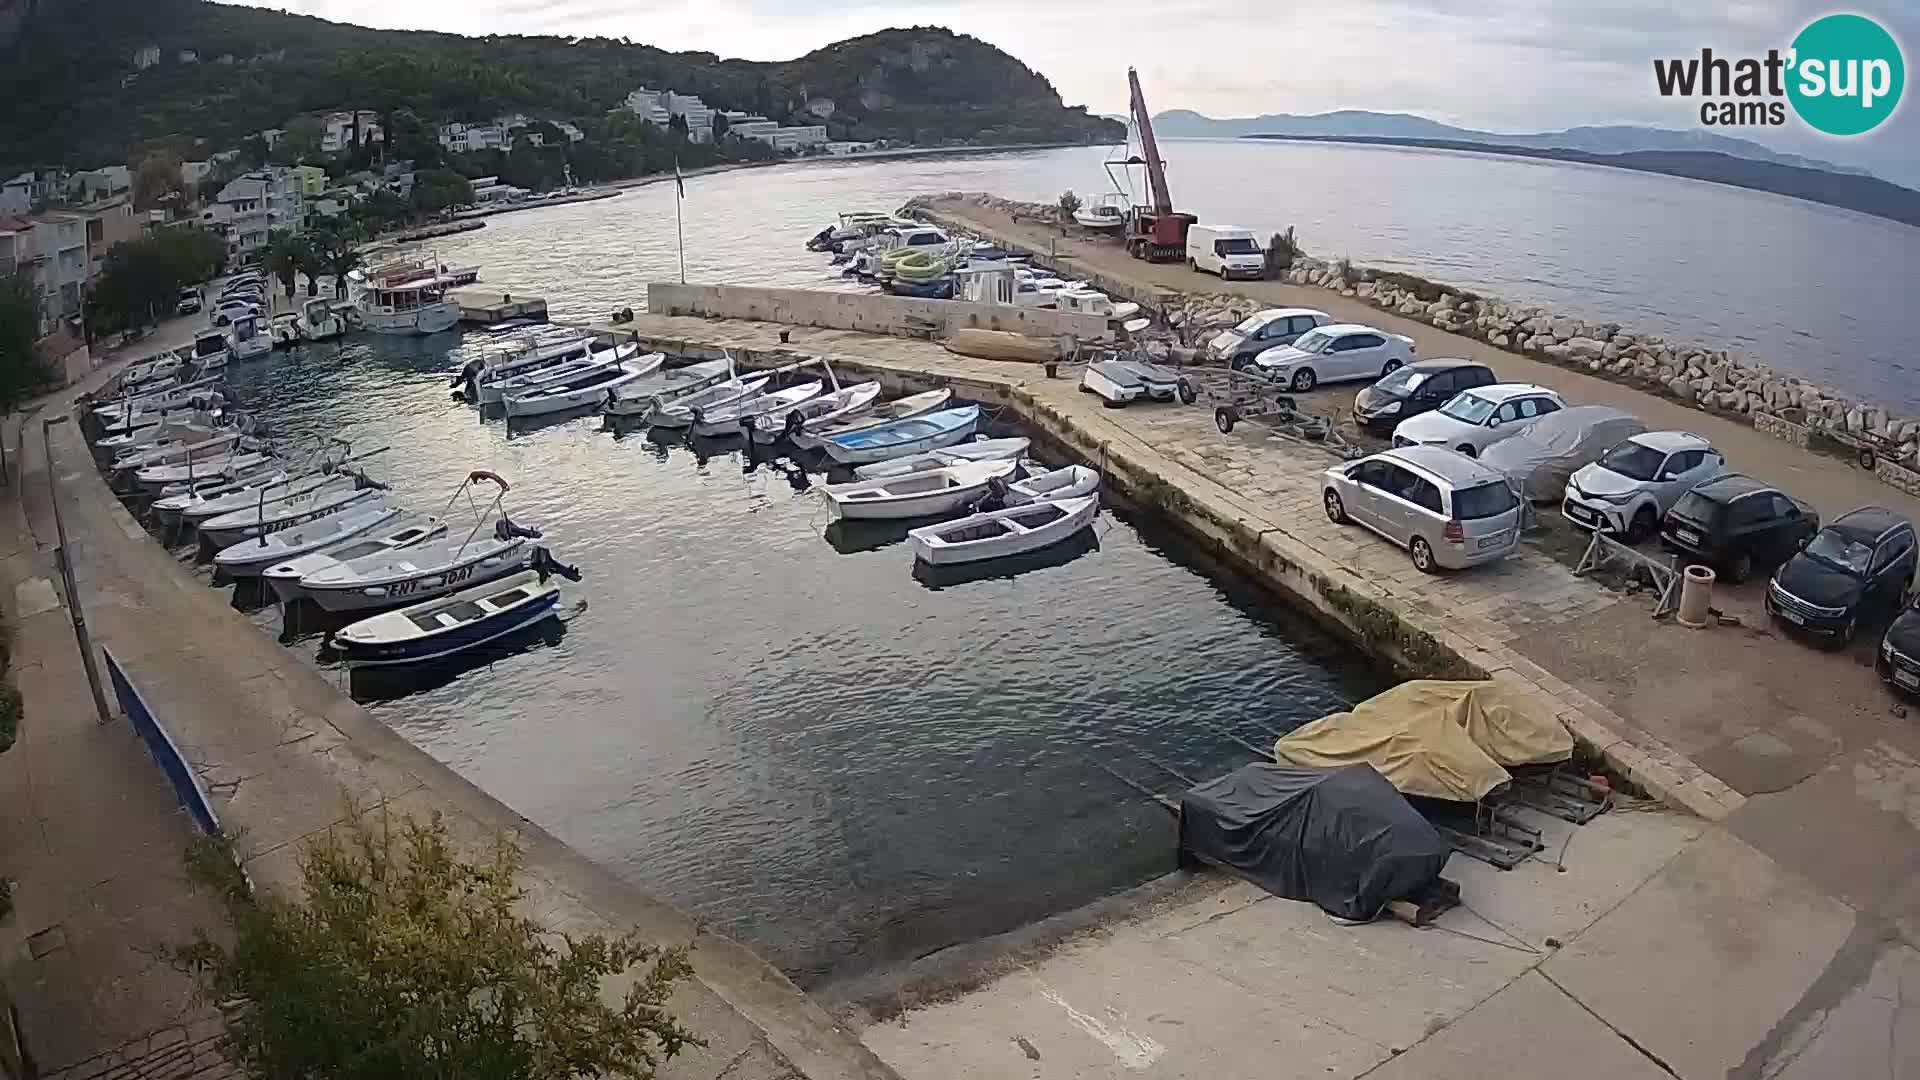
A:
[1791,617]
[1687,536]
[1496,540]
[1906,678]
[1579,513]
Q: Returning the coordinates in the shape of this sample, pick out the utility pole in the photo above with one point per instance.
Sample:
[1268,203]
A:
[65,566]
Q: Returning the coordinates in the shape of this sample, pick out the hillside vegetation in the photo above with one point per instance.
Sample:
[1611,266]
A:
[76,100]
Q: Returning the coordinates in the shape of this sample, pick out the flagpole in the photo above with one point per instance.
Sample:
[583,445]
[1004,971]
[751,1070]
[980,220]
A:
[679,228]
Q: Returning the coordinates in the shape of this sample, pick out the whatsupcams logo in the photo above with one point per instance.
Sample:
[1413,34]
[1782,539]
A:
[1842,75]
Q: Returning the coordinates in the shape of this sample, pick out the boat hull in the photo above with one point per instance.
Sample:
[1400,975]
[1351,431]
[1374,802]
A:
[990,450]
[928,546]
[451,642]
[366,596]
[230,529]
[249,557]
[431,319]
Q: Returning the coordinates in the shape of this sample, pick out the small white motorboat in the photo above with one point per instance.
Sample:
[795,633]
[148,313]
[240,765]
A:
[192,440]
[996,534]
[1068,482]
[636,398]
[730,419]
[676,409]
[406,531]
[193,508]
[320,322]
[172,396]
[914,435]
[1094,302]
[250,340]
[1118,382]
[155,478]
[811,436]
[530,369]
[421,571]
[921,494]
[176,498]
[211,350]
[249,557]
[177,427]
[450,624]
[822,411]
[229,529]
[978,450]
[1104,213]
[588,389]
[284,330]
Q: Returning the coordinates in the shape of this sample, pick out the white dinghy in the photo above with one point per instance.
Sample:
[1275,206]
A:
[676,410]
[249,557]
[589,389]
[999,533]
[730,419]
[404,531]
[811,436]
[978,450]
[229,529]
[820,412]
[923,494]
[1069,482]
[637,398]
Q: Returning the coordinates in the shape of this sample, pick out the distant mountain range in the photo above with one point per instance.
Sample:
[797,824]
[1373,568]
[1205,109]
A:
[1351,123]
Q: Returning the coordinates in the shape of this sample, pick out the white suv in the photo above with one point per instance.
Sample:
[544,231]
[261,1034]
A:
[1634,484]
[1473,420]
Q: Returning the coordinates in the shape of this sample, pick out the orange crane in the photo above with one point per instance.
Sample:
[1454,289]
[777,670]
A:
[1156,233]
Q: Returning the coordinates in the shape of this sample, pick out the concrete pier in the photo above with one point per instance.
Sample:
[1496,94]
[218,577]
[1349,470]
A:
[484,307]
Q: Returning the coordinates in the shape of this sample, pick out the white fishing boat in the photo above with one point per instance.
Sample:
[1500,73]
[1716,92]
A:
[406,298]
[823,411]
[207,402]
[250,340]
[996,534]
[637,397]
[320,322]
[155,478]
[175,499]
[158,428]
[1119,382]
[201,445]
[248,557]
[1094,302]
[486,375]
[171,395]
[211,350]
[285,330]
[675,409]
[246,494]
[402,532]
[729,419]
[1067,482]
[571,360]
[229,529]
[922,494]
[426,570]
[450,625]
[979,450]
[582,391]
[914,435]
[1104,213]
[811,436]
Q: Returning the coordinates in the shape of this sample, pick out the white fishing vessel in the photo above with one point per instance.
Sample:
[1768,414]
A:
[589,389]
[675,409]
[155,478]
[172,395]
[285,330]
[728,419]
[153,429]
[202,445]
[250,340]
[211,350]
[922,494]
[230,528]
[176,499]
[820,412]
[486,375]
[406,297]
[247,494]
[402,532]
[1067,482]
[320,322]
[637,398]
[248,557]
[997,534]
[811,436]
[1104,213]
[426,570]
[562,362]
[979,450]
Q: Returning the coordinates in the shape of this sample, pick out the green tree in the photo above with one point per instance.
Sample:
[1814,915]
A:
[301,141]
[435,190]
[402,959]
[157,176]
[336,244]
[140,279]
[721,125]
[1069,203]
[284,254]
[23,371]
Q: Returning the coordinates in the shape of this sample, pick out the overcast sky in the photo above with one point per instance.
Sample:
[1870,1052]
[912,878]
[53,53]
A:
[1504,65]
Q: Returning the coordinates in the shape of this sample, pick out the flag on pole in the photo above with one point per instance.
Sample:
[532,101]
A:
[679,182]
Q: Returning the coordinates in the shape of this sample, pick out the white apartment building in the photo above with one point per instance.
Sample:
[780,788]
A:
[467,138]
[337,130]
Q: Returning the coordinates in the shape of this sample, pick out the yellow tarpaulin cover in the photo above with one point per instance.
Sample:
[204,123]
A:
[1443,740]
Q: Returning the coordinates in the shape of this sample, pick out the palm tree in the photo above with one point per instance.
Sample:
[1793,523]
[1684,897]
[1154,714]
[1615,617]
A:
[337,252]
[284,253]
[312,264]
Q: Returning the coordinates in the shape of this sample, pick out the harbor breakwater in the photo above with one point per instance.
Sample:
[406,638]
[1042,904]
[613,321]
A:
[1701,375]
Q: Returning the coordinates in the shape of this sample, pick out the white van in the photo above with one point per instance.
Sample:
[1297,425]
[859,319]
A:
[1227,250]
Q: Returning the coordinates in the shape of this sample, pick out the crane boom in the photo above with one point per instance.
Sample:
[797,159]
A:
[1156,169]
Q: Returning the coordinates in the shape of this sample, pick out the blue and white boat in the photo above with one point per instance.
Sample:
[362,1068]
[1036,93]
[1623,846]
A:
[451,624]
[915,435]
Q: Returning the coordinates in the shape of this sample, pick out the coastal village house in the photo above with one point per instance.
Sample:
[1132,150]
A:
[659,107]
[250,207]
[337,130]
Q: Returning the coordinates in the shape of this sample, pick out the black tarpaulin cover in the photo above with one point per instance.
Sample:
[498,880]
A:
[1342,838]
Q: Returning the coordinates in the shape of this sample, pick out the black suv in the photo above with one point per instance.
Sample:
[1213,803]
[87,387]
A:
[1899,659]
[1737,524]
[1414,389]
[1858,568]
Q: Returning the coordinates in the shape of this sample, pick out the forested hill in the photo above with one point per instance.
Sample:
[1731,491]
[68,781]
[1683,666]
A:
[73,97]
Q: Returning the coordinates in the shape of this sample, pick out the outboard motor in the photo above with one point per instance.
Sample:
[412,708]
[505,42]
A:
[795,421]
[546,566]
[994,499]
[468,374]
[505,529]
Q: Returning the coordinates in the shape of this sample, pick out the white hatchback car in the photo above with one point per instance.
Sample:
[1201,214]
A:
[1635,483]
[1336,353]
[1473,420]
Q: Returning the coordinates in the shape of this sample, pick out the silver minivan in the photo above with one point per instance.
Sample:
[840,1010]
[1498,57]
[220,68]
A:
[1448,510]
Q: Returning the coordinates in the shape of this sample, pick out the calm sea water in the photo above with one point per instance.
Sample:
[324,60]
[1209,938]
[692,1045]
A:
[780,727]
[1808,289]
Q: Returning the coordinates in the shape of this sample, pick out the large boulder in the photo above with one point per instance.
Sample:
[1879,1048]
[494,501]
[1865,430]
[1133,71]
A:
[1680,388]
[1585,347]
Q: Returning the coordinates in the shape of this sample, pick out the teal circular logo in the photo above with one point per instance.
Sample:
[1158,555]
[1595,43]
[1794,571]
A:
[1847,74]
